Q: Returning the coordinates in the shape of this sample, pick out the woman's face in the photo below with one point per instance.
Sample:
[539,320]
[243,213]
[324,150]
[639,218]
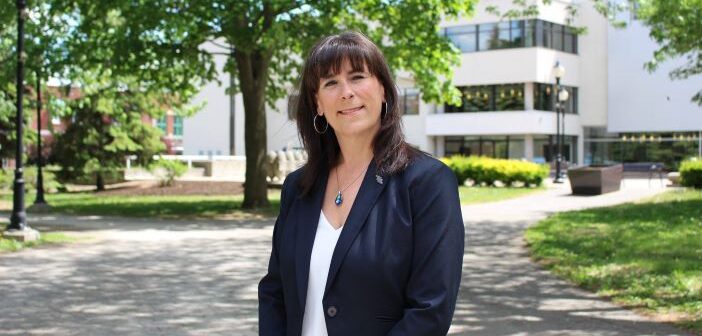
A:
[351,102]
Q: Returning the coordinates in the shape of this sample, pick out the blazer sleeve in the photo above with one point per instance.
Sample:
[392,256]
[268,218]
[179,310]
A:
[271,304]
[437,254]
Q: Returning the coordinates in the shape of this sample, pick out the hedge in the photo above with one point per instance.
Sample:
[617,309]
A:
[691,173]
[485,170]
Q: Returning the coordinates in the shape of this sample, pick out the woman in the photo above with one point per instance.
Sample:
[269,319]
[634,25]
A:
[369,240]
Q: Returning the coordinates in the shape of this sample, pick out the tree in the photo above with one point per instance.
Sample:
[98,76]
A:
[676,25]
[8,90]
[117,88]
[265,40]
[106,126]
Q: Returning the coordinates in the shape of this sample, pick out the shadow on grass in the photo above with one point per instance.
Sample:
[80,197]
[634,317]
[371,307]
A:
[646,255]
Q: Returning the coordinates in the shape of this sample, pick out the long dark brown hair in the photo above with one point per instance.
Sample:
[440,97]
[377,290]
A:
[391,153]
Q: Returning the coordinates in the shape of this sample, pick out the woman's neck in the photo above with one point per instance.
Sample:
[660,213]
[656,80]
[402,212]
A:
[356,153]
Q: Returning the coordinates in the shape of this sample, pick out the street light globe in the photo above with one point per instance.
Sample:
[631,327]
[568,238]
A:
[559,71]
[563,95]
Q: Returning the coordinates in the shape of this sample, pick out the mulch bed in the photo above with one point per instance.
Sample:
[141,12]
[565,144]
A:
[148,188]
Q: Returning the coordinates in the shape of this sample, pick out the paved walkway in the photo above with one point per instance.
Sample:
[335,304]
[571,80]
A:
[153,277]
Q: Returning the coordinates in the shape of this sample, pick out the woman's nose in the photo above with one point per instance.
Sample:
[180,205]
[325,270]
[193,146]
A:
[346,91]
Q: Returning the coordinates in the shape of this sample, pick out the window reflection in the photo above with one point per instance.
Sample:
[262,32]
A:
[513,34]
[409,101]
[545,98]
[508,97]
[504,147]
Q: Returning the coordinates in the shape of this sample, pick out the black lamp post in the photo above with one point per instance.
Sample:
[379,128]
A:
[18,219]
[39,201]
[559,72]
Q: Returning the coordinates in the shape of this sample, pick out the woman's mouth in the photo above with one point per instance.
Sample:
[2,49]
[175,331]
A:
[351,111]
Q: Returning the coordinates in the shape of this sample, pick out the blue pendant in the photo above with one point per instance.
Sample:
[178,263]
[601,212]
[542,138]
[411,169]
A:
[338,200]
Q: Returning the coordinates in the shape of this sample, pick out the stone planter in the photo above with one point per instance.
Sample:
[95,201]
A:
[595,180]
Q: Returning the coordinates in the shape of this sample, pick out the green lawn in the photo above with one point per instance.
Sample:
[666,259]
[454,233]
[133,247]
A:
[8,245]
[155,206]
[646,255]
[207,206]
[472,195]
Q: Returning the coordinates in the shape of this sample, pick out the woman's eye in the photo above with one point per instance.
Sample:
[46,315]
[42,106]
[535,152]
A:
[329,83]
[357,77]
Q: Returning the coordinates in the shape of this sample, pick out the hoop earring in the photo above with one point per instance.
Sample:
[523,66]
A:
[314,124]
[383,115]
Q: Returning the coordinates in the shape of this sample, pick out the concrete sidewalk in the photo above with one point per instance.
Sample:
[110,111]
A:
[157,277]
[504,293]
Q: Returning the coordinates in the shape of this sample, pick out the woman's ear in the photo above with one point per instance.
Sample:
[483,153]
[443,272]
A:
[319,108]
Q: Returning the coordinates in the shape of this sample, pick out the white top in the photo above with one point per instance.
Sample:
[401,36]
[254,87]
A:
[313,323]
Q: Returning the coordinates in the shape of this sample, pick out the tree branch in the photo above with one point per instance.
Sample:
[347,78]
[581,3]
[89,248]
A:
[226,47]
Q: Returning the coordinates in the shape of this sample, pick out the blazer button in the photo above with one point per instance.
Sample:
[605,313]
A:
[331,311]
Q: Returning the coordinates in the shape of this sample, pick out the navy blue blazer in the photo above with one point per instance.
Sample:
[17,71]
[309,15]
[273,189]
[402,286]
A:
[396,267]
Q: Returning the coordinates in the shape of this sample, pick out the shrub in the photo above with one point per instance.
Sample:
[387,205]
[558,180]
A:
[485,170]
[691,173]
[169,170]
[7,179]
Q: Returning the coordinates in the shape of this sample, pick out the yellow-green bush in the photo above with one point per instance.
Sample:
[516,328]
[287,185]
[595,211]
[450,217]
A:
[691,173]
[485,170]
[7,179]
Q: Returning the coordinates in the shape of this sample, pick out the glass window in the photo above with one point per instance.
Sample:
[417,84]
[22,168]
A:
[529,33]
[516,34]
[452,145]
[569,41]
[539,33]
[545,98]
[178,126]
[472,146]
[570,104]
[492,146]
[460,30]
[542,148]
[513,34]
[481,99]
[487,37]
[547,35]
[509,97]
[515,148]
[501,149]
[557,32]
[503,37]
[464,37]
[409,101]
[161,124]
[487,148]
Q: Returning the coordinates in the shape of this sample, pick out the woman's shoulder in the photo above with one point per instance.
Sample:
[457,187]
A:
[292,180]
[424,164]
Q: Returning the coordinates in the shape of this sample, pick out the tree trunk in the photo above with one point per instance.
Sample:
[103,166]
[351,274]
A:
[100,182]
[253,74]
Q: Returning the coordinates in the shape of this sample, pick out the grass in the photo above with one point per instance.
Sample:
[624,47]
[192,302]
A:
[473,195]
[156,206]
[47,238]
[179,206]
[645,255]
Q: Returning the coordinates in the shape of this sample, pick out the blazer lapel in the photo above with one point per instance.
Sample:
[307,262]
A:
[307,221]
[371,187]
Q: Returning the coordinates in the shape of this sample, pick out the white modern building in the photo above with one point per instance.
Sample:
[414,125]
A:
[616,110]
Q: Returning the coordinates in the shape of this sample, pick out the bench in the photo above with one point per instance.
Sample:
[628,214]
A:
[652,168]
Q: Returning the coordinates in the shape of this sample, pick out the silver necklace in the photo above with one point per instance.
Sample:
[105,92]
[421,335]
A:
[339,198]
